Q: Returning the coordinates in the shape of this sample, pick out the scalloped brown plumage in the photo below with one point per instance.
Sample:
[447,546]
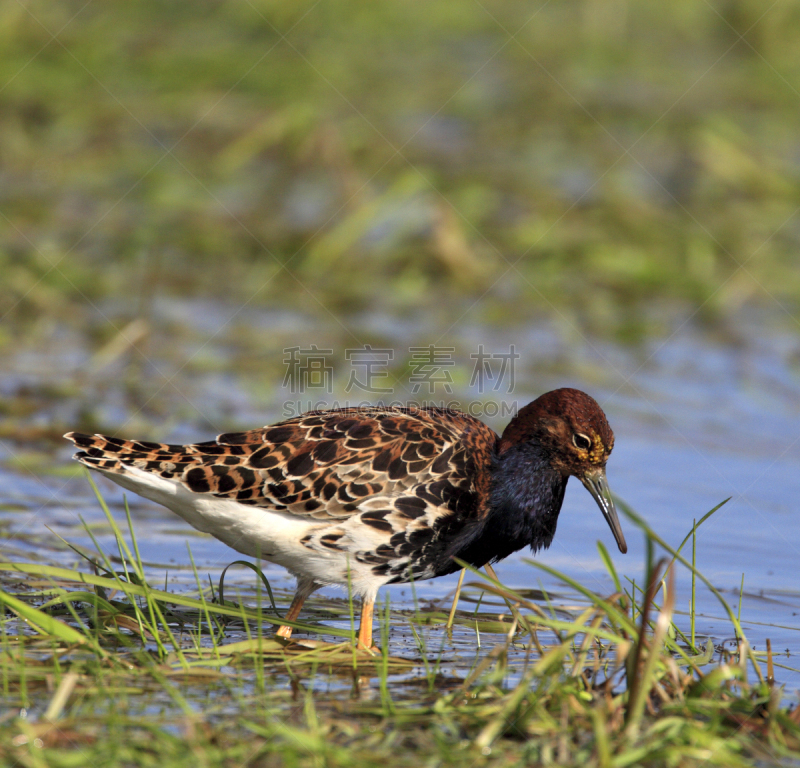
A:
[374,495]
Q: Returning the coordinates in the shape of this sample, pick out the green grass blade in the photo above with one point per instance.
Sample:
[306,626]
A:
[609,563]
[253,567]
[43,622]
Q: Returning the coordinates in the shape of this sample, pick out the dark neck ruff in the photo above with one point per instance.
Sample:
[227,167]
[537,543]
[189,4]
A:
[525,500]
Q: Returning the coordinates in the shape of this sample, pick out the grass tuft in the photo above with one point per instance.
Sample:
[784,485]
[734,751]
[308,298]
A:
[99,666]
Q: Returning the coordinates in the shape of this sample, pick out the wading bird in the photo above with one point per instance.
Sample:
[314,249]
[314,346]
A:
[376,495]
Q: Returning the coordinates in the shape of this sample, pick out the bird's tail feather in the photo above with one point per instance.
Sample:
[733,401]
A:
[113,454]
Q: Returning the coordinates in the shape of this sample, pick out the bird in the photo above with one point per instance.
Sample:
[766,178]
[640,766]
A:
[376,495]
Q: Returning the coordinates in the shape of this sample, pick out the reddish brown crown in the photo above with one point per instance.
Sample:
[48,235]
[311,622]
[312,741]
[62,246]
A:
[558,419]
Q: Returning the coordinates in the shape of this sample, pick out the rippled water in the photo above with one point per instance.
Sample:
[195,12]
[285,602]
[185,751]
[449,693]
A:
[697,420]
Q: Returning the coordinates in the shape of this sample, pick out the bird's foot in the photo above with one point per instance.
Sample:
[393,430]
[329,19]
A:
[372,649]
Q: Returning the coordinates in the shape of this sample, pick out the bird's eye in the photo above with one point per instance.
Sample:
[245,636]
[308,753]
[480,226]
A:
[582,442]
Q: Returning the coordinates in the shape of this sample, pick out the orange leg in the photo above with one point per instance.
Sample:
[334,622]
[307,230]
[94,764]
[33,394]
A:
[365,628]
[303,591]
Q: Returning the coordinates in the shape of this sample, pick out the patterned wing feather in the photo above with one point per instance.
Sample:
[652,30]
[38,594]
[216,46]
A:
[327,466]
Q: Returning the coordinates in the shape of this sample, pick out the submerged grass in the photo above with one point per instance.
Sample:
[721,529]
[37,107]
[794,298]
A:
[101,667]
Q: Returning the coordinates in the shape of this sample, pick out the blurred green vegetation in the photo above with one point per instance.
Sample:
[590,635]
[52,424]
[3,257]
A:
[594,160]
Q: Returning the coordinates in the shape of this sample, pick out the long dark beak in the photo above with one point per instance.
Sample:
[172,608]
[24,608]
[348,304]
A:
[597,484]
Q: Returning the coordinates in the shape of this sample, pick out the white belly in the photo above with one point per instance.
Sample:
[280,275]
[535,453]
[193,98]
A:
[259,532]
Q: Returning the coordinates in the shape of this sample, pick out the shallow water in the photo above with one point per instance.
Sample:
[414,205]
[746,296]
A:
[697,419]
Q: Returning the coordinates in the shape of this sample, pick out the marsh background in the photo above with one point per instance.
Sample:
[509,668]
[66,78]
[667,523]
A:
[613,188]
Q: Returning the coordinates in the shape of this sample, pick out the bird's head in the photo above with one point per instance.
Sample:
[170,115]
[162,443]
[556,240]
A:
[574,432]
